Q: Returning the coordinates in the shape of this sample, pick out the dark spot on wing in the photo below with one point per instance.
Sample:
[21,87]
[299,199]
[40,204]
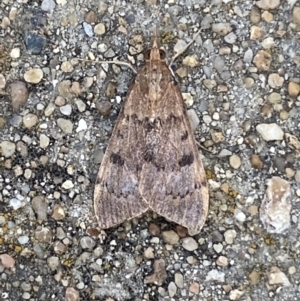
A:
[203,183]
[116,159]
[120,135]
[184,136]
[186,160]
[151,125]
[148,157]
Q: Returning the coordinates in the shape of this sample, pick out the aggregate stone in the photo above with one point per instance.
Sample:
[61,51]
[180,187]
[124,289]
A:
[33,76]
[7,148]
[270,132]
[189,244]
[30,120]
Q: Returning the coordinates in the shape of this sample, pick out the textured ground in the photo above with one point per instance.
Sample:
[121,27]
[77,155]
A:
[56,116]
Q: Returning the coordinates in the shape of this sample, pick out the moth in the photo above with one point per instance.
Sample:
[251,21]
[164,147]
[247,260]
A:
[152,160]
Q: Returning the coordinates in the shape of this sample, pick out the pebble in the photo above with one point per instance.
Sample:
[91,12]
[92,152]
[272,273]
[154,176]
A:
[191,61]
[270,132]
[88,29]
[178,278]
[90,17]
[219,64]
[26,296]
[48,5]
[58,212]
[66,110]
[23,240]
[268,43]
[53,262]
[179,46]
[267,16]
[194,288]
[275,81]
[193,118]
[254,277]
[217,137]
[2,220]
[68,184]
[7,261]
[235,161]
[256,162]
[30,120]
[239,215]
[209,83]
[297,176]
[170,237]
[7,148]
[248,82]
[34,75]
[221,28]
[72,294]
[81,106]
[154,229]
[296,15]
[236,294]
[172,289]
[222,261]
[230,38]
[82,125]
[188,99]
[34,42]
[206,21]
[208,45]
[60,101]
[267,4]
[65,125]
[276,206]
[87,242]
[67,67]
[277,277]
[44,141]
[229,236]
[248,56]
[274,98]
[293,89]
[218,247]
[99,29]
[189,244]
[40,206]
[159,275]
[102,48]
[18,94]
[149,253]
[104,107]
[49,109]
[292,141]
[215,275]
[262,60]
[2,82]
[109,53]
[256,33]
[43,234]
[255,16]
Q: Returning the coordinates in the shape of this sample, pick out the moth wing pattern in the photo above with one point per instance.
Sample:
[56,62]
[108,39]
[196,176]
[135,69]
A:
[152,160]
[116,194]
[172,179]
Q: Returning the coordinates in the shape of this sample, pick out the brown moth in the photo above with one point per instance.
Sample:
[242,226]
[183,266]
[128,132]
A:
[152,160]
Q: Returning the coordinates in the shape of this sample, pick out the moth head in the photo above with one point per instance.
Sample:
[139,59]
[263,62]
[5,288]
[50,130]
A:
[154,54]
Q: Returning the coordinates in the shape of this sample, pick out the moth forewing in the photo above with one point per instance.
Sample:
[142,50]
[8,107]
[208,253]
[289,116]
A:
[152,160]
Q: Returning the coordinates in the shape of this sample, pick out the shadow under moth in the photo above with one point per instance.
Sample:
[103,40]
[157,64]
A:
[152,160]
